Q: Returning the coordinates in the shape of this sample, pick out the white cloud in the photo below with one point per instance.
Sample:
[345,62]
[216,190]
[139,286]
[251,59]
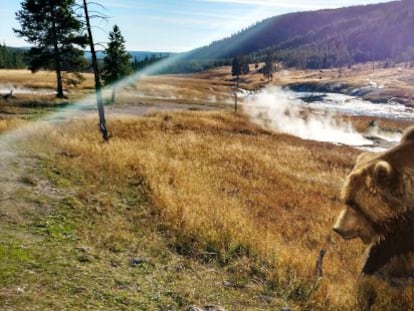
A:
[119,4]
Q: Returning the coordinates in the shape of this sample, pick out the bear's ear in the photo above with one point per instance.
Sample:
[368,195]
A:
[383,172]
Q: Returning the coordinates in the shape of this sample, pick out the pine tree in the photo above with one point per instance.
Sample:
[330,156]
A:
[53,29]
[2,57]
[268,67]
[7,57]
[244,65]
[236,68]
[117,60]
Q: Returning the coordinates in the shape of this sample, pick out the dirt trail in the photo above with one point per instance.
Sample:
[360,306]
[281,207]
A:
[18,179]
[12,166]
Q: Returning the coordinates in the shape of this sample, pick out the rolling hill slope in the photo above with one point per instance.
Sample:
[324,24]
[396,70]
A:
[326,38]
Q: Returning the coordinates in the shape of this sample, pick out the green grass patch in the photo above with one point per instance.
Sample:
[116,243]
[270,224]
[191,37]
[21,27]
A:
[55,176]
[61,224]
[15,258]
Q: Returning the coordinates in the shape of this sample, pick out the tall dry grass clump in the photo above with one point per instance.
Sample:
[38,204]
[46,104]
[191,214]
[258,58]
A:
[228,191]
[10,124]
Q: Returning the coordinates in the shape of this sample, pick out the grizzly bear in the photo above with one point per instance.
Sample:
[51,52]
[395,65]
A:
[379,205]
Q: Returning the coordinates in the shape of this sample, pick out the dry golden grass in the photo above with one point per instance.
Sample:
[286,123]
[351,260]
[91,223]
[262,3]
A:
[34,94]
[178,89]
[41,79]
[223,190]
[226,189]
[10,124]
[197,89]
[362,123]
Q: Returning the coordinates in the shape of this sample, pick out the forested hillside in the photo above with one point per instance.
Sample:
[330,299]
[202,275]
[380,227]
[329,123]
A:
[326,38]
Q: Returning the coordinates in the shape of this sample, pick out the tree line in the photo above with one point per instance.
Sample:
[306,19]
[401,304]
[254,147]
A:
[147,61]
[241,65]
[11,58]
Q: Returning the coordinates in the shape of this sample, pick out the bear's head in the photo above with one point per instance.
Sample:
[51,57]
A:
[378,193]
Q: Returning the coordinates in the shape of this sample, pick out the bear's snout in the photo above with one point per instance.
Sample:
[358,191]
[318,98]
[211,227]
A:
[346,224]
[350,224]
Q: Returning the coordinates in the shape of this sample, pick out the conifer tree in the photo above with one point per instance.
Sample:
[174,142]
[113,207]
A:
[11,58]
[268,67]
[117,60]
[236,68]
[2,57]
[244,65]
[53,29]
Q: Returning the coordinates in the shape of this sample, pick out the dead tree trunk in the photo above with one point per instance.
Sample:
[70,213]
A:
[235,94]
[98,85]
[58,63]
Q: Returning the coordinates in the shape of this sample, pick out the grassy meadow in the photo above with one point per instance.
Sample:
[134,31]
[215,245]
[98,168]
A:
[41,79]
[178,209]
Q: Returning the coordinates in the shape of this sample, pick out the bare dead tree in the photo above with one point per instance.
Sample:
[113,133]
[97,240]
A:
[236,89]
[98,84]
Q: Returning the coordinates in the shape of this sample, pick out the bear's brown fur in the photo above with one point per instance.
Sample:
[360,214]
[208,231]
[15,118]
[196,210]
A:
[379,198]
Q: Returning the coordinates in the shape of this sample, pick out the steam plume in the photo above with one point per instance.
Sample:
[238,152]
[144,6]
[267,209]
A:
[276,109]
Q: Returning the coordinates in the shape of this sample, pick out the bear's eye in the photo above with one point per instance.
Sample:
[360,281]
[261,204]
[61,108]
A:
[349,201]
[352,204]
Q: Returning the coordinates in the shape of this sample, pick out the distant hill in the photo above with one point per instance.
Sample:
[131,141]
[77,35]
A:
[325,38]
[139,55]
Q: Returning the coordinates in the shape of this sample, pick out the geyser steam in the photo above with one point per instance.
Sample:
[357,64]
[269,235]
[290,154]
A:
[278,109]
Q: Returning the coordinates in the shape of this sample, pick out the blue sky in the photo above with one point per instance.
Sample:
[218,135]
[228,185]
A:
[177,25]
